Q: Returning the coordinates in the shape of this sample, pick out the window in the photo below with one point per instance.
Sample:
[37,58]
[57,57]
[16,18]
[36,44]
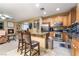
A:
[1,25]
[25,26]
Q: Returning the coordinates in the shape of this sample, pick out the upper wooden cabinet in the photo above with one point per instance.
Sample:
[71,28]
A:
[69,19]
[77,13]
[52,20]
[65,21]
[73,14]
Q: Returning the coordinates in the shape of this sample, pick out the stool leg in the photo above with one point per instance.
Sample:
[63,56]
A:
[52,44]
[38,49]
[30,51]
[25,50]
[18,46]
[22,48]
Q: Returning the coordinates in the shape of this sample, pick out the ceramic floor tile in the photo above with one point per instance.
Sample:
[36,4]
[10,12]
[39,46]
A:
[10,49]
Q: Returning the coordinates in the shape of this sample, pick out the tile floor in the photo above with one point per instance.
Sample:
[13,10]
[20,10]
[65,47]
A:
[10,49]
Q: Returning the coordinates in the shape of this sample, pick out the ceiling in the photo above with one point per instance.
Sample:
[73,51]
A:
[23,11]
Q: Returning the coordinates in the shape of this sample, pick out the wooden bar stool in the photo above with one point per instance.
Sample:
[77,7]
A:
[48,41]
[31,47]
[20,42]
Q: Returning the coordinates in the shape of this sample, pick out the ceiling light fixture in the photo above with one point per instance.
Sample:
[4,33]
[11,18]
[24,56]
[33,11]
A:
[44,13]
[57,9]
[4,16]
[37,5]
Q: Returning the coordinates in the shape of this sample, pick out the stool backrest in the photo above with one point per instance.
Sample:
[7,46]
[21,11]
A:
[27,37]
[19,35]
[47,35]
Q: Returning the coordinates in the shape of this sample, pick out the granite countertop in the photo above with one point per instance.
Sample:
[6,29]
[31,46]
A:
[39,33]
[77,39]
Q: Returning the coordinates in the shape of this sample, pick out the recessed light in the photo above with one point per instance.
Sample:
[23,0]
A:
[57,9]
[44,13]
[37,5]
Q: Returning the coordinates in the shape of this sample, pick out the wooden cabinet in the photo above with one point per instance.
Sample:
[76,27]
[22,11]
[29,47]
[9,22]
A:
[77,13]
[69,19]
[65,36]
[73,15]
[75,47]
[65,21]
[52,20]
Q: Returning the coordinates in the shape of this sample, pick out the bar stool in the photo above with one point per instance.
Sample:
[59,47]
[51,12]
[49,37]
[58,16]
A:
[21,42]
[48,41]
[31,47]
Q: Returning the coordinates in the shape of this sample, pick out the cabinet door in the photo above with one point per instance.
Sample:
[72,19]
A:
[75,47]
[73,51]
[65,21]
[77,14]
[69,19]
[77,51]
[73,15]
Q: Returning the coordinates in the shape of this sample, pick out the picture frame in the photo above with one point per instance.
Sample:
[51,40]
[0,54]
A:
[10,25]
[10,31]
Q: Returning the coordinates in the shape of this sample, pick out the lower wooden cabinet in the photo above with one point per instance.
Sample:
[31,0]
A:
[75,47]
[77,13]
